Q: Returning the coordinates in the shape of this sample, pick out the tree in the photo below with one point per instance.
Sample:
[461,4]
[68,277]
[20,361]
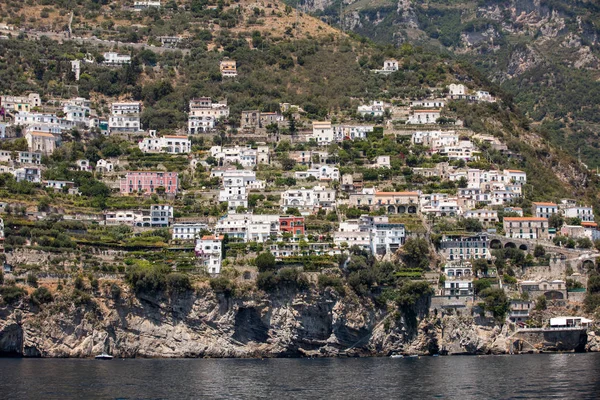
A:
[540,303]
[480,265]
[473,225]
[287,163]
[495,301]
[556,221]
[265,261]
[415,253]
[584,243]
[539,251]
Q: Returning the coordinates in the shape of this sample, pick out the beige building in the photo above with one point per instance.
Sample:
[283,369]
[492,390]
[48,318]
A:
[526,227]
[41,142]
[228,68]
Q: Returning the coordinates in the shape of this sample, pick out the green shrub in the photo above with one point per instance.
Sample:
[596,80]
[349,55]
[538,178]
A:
[480,285]
[41,295]
[222,285]
[541,303]
[32,280]
[12,293]
[115,291]
[178,283]
[333,282]
[265,262]
[495,301]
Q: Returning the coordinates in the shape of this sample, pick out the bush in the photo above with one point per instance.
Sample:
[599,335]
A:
[115,291]
[415,253]
[495,301]
[325,281]
[178,283]
[265,261]
[480,285]
[222,285]
[79,283]
[285,278]
[32,280]
[541,303]
[266,281]
[539,251]
[41,295]
[11,294]
[509,280]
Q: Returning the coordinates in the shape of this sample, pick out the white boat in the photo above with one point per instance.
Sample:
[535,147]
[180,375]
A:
[104,356]
[396,356]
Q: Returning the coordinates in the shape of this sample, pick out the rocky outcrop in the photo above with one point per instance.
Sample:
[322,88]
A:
[205,324]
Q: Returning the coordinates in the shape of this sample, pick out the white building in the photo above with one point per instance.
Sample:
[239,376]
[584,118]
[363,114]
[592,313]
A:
[127,217]
[161,215]
[322,133]
[244,155]
[375,109]
[308,200]
[438,104]
[350,132]
[188,230]
[170,144]
[320,173]
[423,117]
[386,237]
[29,157]
[585,214]
[140,5]
[249,227]
[104,166]
[125,117]
[77,113]
[209,252]
[204,114]
[26,174]
[464,150]
[457,89]
[83,165]
[544,209]
[236,184]
[390,65]
[49,123]
[116,59]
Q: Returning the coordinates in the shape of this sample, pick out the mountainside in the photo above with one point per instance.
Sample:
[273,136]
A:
[544,53]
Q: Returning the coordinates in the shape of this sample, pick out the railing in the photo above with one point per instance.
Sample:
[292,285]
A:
[569,328]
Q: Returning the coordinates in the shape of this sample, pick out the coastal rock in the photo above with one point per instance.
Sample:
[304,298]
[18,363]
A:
[205,324]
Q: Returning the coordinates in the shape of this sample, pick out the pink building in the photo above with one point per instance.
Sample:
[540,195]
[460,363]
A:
[147,182]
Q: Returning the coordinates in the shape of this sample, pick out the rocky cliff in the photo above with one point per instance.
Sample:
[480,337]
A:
[205,324]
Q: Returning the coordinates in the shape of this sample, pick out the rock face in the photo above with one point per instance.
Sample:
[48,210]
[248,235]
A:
[205,324]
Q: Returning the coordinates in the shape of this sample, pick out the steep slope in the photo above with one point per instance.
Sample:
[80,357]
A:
[544,53]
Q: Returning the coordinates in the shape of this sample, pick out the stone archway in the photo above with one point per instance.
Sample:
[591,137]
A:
[510,245]
[588,265]
[401,209]
[495,244]
[523,247]
[412,209]
[554,295]
[391,210]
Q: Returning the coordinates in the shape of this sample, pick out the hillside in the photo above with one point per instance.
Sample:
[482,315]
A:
[248,180]
[543,53]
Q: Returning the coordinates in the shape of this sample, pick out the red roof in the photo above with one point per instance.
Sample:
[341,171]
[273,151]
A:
[541,203]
